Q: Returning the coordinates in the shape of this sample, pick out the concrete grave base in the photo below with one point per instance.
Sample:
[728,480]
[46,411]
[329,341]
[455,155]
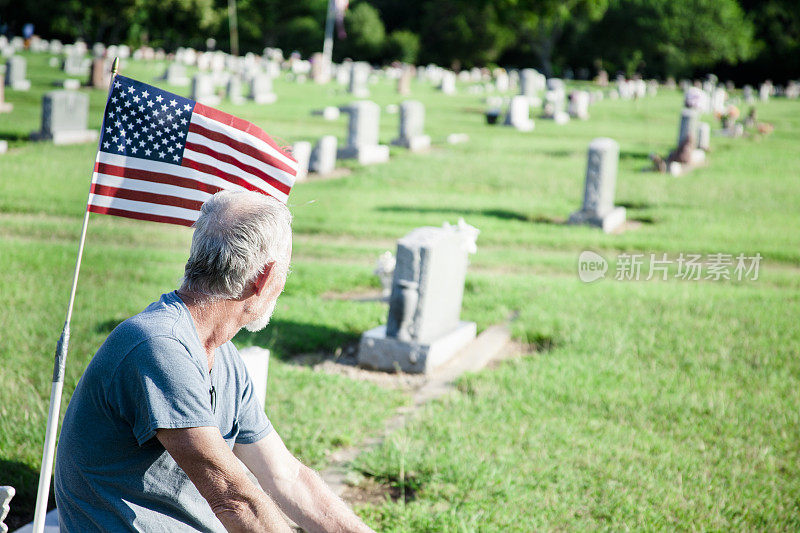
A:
[366,155]
[67,137]
[268,98]
[524,126]
[380,352]
[611,221]
[23,85]
[417,143]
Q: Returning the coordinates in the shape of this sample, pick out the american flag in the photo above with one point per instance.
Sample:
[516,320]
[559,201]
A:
[162,155]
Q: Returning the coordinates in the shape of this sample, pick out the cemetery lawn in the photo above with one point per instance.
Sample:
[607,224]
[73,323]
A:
[638,405]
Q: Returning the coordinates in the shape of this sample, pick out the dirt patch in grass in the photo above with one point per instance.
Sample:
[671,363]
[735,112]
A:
[370,490]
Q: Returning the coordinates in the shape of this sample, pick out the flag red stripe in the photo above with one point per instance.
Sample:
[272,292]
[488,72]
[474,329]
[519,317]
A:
[236,180]
[225,158]
[138,215]
[252,151]
[148,197]
[154,177]
[239,124]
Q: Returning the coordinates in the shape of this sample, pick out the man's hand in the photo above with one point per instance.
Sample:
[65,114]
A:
[205,457]
[297,489]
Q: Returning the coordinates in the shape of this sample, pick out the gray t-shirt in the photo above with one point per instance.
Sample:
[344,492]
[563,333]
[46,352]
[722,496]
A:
[151,373]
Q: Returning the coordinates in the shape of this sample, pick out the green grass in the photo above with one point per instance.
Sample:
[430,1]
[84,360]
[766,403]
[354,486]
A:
[650,405]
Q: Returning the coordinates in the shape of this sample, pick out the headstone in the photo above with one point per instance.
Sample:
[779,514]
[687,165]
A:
[579,105]
[519,114]
[100,75]
[5,107]
[328,112]
[6,493]
[323,156]
[747,93]
[404,80]
[75,64]
[203,90]
[233,90]
[359,75]
[554,106]
[704,136]
[320,69]
[765,91]
[718,98]
[688,126]
[176,75]
[423,328]
[256,360]
[501,81]
[64,118]
[15,74]
[261,89]
[412,127]
[362,134]
[601,180]
[3,147]
[301,151]
[602,78]
[448,83]
[98,50]
[530,83]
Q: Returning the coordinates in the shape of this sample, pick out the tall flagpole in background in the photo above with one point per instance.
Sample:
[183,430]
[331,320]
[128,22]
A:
[59,366]
[233,27]
[327,46]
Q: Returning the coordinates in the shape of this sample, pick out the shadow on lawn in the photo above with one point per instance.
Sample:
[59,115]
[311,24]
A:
[25,481]
[503,214]
[286,338]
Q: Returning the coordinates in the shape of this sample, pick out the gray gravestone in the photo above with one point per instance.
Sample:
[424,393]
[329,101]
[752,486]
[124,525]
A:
[423,328]
[203,90]
[704,136]
[688,126]
[233,90]
[261,89]
[64,118]
[176,75]
[579,105]
[448,83]
[601,180]
[412,127]
[323,156]
[15,74]
[518,114]
[75,64]
[362,134]
[359,75]
[530,83]
[301,151]
[5,107]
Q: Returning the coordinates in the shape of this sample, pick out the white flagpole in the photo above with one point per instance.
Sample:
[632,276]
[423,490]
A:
[62,346]
[327,45]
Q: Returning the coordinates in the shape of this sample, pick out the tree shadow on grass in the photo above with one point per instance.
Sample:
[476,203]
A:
[503,214]
[25,481]
[287,338]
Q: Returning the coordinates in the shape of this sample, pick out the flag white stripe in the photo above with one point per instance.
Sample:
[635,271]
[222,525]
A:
[149,186]
[278,174]
[174,170]
[235,171]
[243,137]
[143,207]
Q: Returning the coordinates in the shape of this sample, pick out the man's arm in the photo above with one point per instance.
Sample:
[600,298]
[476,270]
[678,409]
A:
[297,489]
[202,453]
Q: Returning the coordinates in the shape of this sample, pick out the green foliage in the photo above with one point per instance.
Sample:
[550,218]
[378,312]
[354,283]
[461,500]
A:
[303,34]
[682,35]
[403,45]
[365,34]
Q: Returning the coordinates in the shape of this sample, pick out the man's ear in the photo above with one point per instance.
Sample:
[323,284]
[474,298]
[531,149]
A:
[261,280]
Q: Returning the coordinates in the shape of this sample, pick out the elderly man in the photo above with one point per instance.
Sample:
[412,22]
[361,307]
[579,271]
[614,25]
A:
[152,433]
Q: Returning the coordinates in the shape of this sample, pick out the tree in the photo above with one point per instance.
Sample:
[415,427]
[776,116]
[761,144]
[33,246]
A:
[365,34]
[671,37]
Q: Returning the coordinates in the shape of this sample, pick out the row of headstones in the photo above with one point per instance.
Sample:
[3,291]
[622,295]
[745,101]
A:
[363,143]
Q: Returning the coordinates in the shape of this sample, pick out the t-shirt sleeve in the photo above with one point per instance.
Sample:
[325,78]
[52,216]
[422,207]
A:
[253,422]
[158,385]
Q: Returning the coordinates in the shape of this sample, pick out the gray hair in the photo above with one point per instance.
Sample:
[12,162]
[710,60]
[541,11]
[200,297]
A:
[237,234]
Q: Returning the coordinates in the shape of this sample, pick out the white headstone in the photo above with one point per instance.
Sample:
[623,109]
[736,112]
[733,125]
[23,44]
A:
[203,90]
[601,180]
[362,134]
[261,89]
[412,126]
[301,151]
[323,156]
[518,115]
